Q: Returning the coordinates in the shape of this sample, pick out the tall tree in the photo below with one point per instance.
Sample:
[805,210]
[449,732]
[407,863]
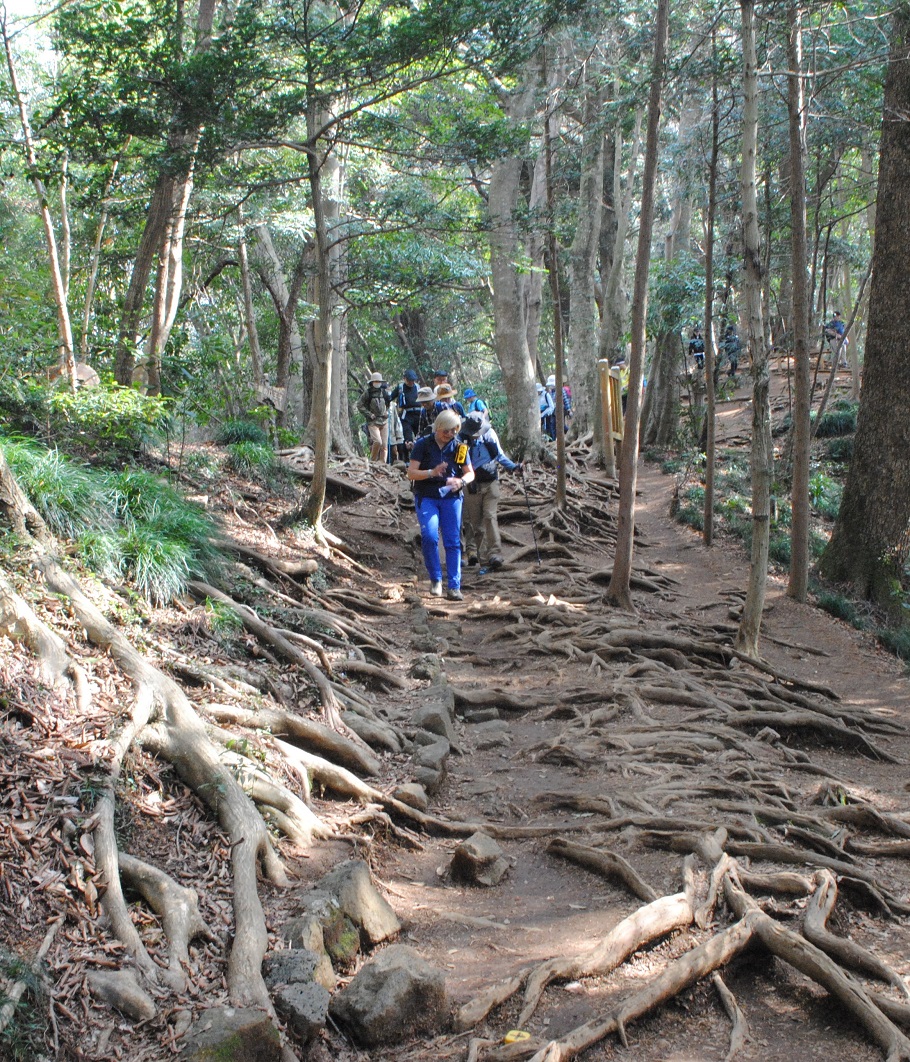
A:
[619,592]
[870,543]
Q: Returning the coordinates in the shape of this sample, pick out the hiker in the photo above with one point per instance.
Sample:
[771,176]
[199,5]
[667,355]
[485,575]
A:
[374,405]
[481,503]
[445,399]
[440,377]
[397,449]
[440,469]
[836,334]
[426,402]
[732,348]
[547,408]
[473,404]
[404,397]
[566,405]
[697,347]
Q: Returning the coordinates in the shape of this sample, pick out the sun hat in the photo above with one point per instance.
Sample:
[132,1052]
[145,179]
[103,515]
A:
[409,374]
[425,394]
[472,424]
[444,392]
[551,381]
[470,393]
[376,378]
[539,387]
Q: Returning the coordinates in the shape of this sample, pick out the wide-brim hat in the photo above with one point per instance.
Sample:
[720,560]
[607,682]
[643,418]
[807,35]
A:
[425,394]
[376,378]
[551,381]
[444,392]
[539,387]
[472,424]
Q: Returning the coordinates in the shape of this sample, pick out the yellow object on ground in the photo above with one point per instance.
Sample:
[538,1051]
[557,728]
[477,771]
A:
[514,1035]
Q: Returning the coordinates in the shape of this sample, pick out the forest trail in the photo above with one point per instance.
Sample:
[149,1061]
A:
[606,734]
[581,731]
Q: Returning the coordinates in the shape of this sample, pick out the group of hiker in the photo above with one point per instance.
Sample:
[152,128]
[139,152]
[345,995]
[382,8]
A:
[453,457]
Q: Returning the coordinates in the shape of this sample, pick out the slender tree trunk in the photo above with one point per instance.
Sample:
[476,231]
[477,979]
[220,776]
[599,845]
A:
[95,261]
[799,534]
[750,623]
[58,282]
[619,591]
[710,344]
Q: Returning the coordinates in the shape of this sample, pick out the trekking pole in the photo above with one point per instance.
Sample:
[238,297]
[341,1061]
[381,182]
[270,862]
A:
[530,515]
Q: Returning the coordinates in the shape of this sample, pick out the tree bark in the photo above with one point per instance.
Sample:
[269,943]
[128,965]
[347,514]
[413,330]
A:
[750,623]
[870,542]
[619,591]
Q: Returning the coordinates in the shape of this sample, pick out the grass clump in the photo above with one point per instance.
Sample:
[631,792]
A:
[839,420]
[840,450]
[896,640]
[241,431]
[252,460]
[840,606]
[22,1039]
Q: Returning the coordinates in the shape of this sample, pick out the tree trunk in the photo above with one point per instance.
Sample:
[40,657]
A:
[799,327]
[710,344]
[660,410]
[619,591]
[870,542]
[750,623]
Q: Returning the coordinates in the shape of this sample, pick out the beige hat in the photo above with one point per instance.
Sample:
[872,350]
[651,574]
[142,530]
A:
[425,394]
[376,378]
[444,392]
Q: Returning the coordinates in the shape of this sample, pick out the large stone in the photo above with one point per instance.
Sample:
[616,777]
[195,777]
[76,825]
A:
[433,756]
[428,666]
[361,901]
[429,779]
[436,718]
[233,1034]
[415,796]
[293,966]
[304,1007]
[479,715]
[478,861]
[396,995]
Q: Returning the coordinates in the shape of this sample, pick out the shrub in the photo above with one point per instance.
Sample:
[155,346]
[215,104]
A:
[838,605]
[896,640]
[241,431]
[841,449]
[839,420]
[825,495]
[779,550]
[251,459]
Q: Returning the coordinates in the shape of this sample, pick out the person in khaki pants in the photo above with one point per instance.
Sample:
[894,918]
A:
[374,405]
[481,501]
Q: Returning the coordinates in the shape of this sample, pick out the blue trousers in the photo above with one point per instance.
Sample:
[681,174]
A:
[443,515]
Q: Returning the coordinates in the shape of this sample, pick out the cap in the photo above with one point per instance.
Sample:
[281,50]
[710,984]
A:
[409,374]
[472,424]
[440,372]
[444,392]
[470,393]
[551,381]
[376,378]
[425,394]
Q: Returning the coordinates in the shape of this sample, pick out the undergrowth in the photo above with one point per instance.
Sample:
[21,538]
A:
[129,525]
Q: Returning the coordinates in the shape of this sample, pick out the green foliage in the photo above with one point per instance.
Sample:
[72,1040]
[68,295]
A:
[129,525]
[108,416]
[840,606]
[840,450]
[241,431]
[251,459]
[691,509]
[200,464]
[222,619]
[840,420]
[779,549]
[825,495]
[23,1036]
[896,640]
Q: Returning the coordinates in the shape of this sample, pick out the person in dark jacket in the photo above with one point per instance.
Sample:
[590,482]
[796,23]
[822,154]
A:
[426,400]
[374,405]
[404,398]
[440,469]
[481,503]
[445,399]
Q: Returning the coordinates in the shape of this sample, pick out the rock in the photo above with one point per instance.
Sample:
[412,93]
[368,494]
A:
[120,989]
[433,756]
[304,1007]
[428,666]
[340,937]
[396,995]
[361,901]
[478,861]
[492,741]
[342,941]
[233,1034]
[429,779]
[435,718]
[294,966]
[415,796]
[479,715]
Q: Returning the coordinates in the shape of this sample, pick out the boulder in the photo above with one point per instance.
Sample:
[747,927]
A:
[436,718]
[293,966]
[429,779]
[478,861]
[415,796]
[429,666]
[433,756]
[233,1034]
[352,885]
[479,715]
[305,1008]
[396,995]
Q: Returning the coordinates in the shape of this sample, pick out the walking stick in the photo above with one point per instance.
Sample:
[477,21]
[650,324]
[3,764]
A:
[530,515]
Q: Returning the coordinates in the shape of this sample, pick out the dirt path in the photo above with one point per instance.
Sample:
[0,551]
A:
[502,772]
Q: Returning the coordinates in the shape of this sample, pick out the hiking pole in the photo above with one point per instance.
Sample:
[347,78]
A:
[530,515]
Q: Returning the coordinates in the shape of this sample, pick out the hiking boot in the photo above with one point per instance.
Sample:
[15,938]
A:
[495,562]
[436,588]
[454,594]
[472,560]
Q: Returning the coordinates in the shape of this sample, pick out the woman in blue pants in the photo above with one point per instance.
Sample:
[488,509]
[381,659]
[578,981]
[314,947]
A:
[440,469]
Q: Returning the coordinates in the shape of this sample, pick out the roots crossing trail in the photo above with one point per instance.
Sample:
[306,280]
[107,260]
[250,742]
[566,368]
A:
[708,856]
